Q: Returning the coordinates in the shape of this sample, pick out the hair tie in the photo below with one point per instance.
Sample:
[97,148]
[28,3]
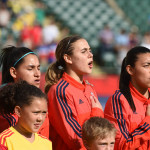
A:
[23,57]
[60,67]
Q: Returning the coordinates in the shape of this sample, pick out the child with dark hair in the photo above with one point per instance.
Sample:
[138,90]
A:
[129,107]
[98,134]
[29,103]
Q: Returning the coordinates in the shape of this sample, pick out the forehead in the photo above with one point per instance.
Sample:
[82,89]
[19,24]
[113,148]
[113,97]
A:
[80,44]
[36,102]
[108,138]
[31,58]
[143,57]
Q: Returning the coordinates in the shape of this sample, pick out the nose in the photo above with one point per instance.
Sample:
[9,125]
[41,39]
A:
[39,118]
[109,147]
[90,54]
[37,73]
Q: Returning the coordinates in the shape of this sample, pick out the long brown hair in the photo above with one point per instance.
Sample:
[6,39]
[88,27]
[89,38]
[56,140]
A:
[56,70]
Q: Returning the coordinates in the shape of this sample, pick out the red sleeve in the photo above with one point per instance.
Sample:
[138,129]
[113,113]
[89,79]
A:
[2,147]
[4,124]
[63,117]
[7,120]
[97,112]
[117,111]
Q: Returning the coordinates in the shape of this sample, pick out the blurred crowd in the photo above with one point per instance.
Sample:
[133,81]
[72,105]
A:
[114,46]
[26,23]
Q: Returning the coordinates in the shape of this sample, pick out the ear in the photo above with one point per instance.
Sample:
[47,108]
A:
[13,72]
[129,70]
[17,111]
[67,59]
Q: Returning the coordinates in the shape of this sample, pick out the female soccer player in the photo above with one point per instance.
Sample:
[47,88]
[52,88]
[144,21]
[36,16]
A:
[29,103]
[129,107]
[71,99]
[20,63]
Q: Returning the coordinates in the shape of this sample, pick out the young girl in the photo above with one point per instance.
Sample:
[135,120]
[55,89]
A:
[29,103]
[71,99]
[129,107]
[20,63]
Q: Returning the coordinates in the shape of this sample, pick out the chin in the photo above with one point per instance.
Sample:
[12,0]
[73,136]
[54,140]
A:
[35,130]
[89,72]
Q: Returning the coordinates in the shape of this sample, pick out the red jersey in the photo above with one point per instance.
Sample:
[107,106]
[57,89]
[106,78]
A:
[133,128]
[6,121]
[69,106]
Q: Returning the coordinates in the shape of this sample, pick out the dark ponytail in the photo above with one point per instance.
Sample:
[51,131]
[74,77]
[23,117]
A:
[124,85]
[130,59]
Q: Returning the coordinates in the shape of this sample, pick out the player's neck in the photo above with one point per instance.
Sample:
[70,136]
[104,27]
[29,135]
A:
[76,76]
[27,135]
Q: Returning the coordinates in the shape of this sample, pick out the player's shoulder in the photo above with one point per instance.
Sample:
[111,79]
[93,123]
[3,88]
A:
[6,134]
[2,147]
[119,97]
[43,137]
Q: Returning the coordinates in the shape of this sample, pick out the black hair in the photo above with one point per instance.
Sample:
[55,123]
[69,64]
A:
[18,94]
[130,59]
[9,56]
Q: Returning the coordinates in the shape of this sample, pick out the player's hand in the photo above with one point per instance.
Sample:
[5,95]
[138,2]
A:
[95,102]
[148,110]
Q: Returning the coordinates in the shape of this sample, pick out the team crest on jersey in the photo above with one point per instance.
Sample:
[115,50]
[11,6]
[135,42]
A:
[81,101]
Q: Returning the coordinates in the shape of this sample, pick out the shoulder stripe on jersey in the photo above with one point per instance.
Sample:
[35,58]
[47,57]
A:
[11,120]
[66,108]
[78,127]
[4,135]
[119,114]
[65,104]
[14,120]
[70,108]
[122,122]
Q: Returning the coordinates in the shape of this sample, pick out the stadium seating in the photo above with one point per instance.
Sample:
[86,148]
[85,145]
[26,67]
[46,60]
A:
[138,11]
[86,17]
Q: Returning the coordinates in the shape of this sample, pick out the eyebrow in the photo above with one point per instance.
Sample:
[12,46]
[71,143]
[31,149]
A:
[33,66]
[101,143]
[39,111]
[86,49]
